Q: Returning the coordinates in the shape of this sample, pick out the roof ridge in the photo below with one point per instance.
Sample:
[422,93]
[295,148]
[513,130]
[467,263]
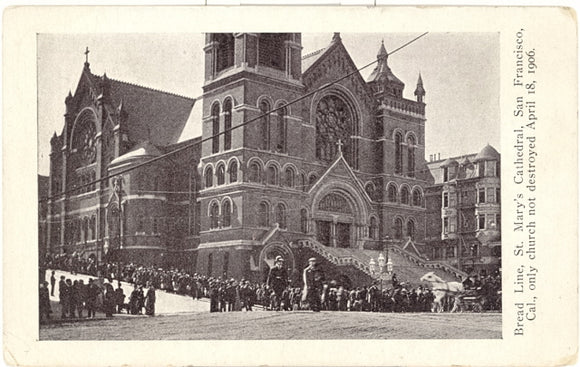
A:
[313,53]
[145,87]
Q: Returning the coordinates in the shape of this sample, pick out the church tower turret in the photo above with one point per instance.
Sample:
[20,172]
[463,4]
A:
[420,91]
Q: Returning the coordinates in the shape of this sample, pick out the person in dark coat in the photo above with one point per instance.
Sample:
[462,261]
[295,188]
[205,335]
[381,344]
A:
[119,298]
[313,278]
[278,281]
[150,300]
[134,301]
[52,283]
[44,301]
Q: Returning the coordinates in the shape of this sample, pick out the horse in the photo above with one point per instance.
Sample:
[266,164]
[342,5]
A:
[442,289]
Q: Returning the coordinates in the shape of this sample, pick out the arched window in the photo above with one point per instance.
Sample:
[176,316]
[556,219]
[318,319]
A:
[215,121]
[374,229]
[289,177]
[221,174]
[214,213]
[209,177]
[392,194]
[282,130]
[302,182]
[334,122]
[411,229]
[312,180]
[264,109]
[398,228]
[227,214]
[228,124]
[140,224]
[264,215]
[411,156]
[281,215]
[254,174]
[85,229]
[233,171]
[370,189]
[417,201]
[272,175]
[93,227]
[405,195]
[398,153]
[304,221]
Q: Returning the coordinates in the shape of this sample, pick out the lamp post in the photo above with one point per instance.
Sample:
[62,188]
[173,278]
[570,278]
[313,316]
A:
[384,262]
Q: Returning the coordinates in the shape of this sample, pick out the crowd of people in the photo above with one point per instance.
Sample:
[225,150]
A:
[226,295]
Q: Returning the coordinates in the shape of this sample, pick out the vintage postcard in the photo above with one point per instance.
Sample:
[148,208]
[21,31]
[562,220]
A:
[290,186]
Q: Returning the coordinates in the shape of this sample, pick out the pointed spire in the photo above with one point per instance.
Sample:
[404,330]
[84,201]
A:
[336,37]
[420,91]
[382,51]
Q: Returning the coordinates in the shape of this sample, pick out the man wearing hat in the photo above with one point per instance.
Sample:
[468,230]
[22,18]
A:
[313,284]
[278,280]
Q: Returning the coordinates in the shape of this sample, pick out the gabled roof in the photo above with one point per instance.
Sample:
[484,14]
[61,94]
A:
[142,150]
[488,153]
[309,59]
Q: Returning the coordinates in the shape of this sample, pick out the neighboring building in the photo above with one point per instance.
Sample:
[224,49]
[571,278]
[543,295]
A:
[464,212]
[336,174]
[42,219]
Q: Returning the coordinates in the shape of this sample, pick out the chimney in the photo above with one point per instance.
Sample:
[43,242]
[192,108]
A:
[438,156]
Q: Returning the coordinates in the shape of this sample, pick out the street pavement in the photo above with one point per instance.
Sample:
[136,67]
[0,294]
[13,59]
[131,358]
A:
[166,303]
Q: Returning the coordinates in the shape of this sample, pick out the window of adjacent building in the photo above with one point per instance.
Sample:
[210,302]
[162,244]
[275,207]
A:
[228,124]
[233,171]
[481,168]
[264,109]
[398,153]
[221,174]
[271,175]
[214,215]
[490,169]
[304,221]
[209,177]
[411,156]
[481,221]
[215,121]
[264,215]
[490,195]
[445,174]
[498,222]
[282,130]
[227,214]
[281,215]
[445,225]
[445,199]
[481,195]
[392,194]
[398,228]
[405,195]
[254,173]
[498,195]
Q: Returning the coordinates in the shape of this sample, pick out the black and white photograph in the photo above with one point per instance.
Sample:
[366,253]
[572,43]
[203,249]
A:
[355,175]
[290,186]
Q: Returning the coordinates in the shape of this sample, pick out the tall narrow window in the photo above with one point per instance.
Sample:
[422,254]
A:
[497,196]
[370,190]
[209,177]
[302,183]
[140,224]
[209,265]
[405,195]
[289,177]
[282,130]
[281,215]
[481,195]
[263,215]
[214,215]
[233,171]
[398,228]
[481,221]
[215,121]
[264,109]
[445,174]
[411,229]
[226,264]
[398,153]
[272,175]
[374,229]
[254,173]
[221,174]
[304,221]
[445,225]
[445,199]
[392,194]
[411,156]
[93,227]
[227,214]
[228,125]
[417,198]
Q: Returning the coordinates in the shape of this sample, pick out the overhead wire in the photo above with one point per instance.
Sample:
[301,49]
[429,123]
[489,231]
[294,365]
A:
[206,139]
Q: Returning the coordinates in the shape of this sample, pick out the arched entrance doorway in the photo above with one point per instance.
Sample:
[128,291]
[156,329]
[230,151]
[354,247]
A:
[269,254]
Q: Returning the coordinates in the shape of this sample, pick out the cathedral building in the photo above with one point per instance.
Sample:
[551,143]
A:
[293,160]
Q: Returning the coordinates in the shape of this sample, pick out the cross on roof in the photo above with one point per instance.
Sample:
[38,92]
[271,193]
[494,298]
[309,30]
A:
[87,55]
[339,143]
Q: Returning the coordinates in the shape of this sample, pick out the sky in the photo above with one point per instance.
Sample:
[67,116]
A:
[460,73]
